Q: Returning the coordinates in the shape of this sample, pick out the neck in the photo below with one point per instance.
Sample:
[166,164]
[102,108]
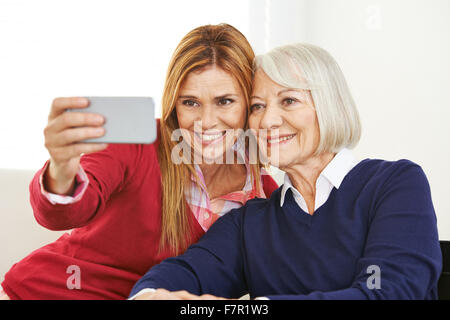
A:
[214,172]
[304,175]
[210,171]
[221,179]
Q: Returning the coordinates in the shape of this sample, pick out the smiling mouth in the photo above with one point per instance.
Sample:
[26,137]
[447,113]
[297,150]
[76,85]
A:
[210,137]
[275,140]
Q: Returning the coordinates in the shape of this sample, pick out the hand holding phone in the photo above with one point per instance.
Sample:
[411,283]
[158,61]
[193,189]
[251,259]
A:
[63,134]
[85,124]
[127,119]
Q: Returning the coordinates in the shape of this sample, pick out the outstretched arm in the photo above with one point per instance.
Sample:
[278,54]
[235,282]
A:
[213,266]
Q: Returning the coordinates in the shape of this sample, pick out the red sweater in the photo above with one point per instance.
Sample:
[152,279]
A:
[116,229]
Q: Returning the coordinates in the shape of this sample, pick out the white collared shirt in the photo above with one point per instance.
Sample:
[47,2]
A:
[330,177]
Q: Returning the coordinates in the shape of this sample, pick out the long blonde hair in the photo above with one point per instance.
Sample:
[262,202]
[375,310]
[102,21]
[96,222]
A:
[227,48]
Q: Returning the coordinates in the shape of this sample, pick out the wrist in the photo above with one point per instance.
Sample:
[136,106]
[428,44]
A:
[54,184]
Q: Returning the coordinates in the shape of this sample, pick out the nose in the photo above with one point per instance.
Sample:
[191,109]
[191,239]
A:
[271,118]
[209,118]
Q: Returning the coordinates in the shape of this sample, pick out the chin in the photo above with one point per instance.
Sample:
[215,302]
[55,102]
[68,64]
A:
[279,163]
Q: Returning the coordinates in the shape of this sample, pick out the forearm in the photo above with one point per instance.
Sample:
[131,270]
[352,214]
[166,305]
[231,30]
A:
[211,266]
[62,212]
[103,173]
[181,278]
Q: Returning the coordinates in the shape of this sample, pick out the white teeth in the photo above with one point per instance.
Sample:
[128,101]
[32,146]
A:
[277,140]
[210,137]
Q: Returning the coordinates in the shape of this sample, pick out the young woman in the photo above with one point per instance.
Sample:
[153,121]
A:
[337,229]
[131,206]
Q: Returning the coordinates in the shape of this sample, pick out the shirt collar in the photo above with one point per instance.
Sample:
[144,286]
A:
[339,167]
[334,172]
[243,195]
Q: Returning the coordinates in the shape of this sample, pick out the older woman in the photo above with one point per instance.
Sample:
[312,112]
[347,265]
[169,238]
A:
[337,228]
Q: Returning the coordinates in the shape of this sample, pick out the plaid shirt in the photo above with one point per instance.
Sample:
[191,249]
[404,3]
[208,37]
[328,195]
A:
[207,210]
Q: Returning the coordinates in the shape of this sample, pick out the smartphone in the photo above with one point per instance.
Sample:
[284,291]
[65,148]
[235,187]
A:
[127,119]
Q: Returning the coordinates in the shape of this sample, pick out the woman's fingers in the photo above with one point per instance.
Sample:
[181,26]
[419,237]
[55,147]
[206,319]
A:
[158,294]
[210,297]
[184,295]
[74,119]
[69,136]
[163,294]
[63,135]
[59,105]
[69,127]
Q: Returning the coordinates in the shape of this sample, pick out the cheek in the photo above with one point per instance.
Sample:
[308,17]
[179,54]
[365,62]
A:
[305,121]
[313,134]
[306,125]
[235,118]
[313,127]
[185,119]
[309,118]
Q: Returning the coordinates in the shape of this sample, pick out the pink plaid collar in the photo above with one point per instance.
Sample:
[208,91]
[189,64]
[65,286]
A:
[207,210]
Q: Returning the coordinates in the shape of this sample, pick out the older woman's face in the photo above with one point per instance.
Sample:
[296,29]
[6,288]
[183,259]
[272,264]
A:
[213,97]
[289,118]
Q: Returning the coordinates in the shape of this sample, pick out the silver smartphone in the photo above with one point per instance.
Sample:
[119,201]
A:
[127,119]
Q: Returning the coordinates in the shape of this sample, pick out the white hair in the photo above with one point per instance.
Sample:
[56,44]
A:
[308,67]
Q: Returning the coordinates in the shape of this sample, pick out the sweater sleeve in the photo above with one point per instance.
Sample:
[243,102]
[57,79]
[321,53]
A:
[402,257]
[213,265]
[107,172]
[81,183]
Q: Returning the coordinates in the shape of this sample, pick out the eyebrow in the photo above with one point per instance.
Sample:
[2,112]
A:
[228,95]
[280,92]
[288,90]
[216,98]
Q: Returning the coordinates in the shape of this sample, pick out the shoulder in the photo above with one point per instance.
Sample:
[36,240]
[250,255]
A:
[404,173]
[387,165]
[255,214]
[258,206]
[252,206]
[384,170]
[402,183]
[376,180]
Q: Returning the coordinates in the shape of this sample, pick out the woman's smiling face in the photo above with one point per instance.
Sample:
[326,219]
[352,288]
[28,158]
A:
[213,97]
[285,122]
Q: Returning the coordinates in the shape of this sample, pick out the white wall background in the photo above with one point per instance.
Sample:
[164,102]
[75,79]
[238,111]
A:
[395,55]
[396,58]
[51,48]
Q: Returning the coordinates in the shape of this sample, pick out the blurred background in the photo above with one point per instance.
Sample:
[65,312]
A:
[395,55]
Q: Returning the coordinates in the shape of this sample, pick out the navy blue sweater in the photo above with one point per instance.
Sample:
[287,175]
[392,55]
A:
[374,238]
